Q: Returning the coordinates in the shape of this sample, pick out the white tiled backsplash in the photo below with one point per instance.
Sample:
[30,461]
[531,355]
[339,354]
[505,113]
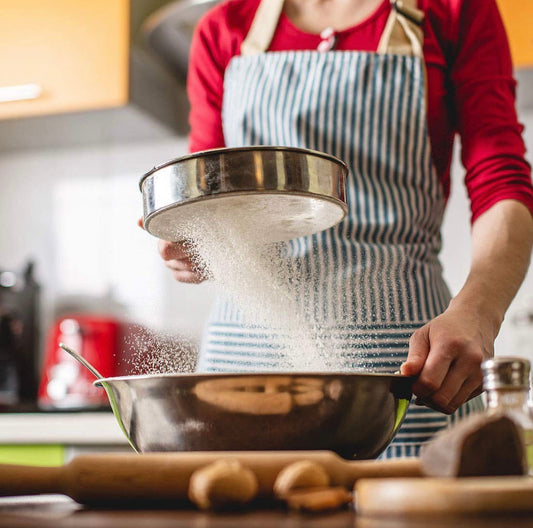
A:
[75,211]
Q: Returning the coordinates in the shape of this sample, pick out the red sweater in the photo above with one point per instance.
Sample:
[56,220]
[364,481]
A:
[471,90]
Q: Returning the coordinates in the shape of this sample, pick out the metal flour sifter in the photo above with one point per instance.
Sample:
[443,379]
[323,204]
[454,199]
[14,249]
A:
[282,192]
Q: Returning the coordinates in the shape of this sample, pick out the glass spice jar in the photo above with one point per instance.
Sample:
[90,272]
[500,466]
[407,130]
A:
[507,382]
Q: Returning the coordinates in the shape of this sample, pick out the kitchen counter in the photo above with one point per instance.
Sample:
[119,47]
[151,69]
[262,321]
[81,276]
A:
[60,512]
[80,428]
[54,438]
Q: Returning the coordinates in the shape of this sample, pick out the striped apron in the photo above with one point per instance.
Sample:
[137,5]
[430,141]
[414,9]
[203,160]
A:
[374,278]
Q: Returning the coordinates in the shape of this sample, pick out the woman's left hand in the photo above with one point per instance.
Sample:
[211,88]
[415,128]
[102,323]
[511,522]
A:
[446,354]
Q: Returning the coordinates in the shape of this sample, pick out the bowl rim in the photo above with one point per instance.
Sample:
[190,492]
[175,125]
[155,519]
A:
[211,375]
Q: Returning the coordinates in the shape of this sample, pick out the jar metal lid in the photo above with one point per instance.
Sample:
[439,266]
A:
[505,372]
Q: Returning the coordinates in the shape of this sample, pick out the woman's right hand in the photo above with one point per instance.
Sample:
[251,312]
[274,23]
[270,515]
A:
[179,262]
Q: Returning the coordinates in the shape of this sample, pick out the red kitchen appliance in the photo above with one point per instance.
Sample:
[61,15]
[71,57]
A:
[66,385]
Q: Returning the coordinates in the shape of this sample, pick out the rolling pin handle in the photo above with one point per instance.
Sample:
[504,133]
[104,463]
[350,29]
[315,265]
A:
[18,480]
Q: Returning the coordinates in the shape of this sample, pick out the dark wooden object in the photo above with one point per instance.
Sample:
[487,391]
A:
[59,513]
[480,445]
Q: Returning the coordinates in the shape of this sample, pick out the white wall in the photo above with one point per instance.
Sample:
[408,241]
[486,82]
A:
[75,211]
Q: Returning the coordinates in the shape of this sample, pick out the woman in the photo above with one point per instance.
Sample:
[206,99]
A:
[385,87]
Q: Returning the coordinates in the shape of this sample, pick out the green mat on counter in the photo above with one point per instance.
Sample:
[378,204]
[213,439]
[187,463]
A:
[32,455]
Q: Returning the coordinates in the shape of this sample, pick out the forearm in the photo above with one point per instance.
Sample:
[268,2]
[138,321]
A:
[447,353]
[502,240]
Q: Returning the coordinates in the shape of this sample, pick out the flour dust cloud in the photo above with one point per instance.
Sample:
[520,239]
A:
[265,286]
[150,352]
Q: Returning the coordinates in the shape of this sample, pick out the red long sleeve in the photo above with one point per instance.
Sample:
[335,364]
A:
[471,90]
[484,93]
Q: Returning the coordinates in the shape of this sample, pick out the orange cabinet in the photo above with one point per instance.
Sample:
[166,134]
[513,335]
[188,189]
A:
[63,56]
[518,19]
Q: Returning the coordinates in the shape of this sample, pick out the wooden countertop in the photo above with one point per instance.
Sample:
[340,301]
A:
[60,512]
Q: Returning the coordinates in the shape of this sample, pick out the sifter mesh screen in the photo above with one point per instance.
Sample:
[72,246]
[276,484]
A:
[272,216]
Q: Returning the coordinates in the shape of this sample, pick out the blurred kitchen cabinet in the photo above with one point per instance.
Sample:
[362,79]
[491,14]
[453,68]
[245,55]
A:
[64,58]
[518,19]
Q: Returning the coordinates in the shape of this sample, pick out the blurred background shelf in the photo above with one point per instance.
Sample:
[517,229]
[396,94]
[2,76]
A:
[86,428]
[53,438]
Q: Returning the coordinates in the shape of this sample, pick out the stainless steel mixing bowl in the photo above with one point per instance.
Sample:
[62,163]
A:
[354,415]
[279,192]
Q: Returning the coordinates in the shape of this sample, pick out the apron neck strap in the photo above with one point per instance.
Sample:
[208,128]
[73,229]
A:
[402,34]
[263,27]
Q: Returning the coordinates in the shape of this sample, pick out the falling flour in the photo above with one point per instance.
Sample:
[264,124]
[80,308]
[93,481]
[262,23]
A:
[150,352]
[263,284]
[268,289]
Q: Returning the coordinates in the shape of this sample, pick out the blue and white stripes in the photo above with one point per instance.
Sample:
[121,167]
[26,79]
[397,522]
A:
[236,347]
[379,265]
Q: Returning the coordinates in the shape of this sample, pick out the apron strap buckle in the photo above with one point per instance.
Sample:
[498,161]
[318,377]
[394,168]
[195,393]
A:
[407,8]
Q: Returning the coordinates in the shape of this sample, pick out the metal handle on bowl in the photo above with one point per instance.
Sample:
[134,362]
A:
[81,360]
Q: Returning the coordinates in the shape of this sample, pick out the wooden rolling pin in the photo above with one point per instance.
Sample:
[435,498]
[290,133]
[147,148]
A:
[165,476]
